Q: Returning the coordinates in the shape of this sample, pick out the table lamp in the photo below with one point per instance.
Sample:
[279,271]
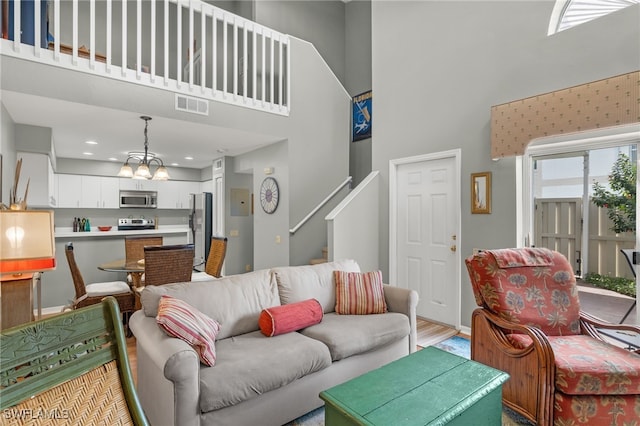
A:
[26,241]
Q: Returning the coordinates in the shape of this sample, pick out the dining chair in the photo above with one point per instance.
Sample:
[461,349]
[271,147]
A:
[90,294]
[215,260]
[134,246]
[168,264]
[134,250]
[71,368]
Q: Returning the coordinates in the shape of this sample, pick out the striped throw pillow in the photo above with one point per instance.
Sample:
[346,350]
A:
[179,319]
[359,293]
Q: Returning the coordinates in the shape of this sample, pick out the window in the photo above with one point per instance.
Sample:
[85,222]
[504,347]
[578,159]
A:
[569,13]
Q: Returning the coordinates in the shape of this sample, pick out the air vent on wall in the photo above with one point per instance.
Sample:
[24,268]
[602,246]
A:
[191,104]
[217,164]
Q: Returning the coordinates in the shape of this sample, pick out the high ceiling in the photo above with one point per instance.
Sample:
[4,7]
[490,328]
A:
[117,132]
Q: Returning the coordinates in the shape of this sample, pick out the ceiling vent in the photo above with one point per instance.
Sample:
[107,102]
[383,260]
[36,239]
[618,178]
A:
[191,104]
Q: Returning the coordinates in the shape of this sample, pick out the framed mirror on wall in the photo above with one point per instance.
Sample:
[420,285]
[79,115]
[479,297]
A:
[481,193]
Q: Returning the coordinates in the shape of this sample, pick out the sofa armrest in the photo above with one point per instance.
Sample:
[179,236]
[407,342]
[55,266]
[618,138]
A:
[168,374]
[404,301]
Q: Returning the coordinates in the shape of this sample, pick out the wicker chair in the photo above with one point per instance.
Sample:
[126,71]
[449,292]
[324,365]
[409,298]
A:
[91,294]
[529,324]
[215,260]
[134,246]
[134,251]
[168,264]
[69,369]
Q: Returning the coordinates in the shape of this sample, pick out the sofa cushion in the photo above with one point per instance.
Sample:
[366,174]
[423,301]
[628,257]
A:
[588,366]
[287,318]
[179,319]
[348,335]
[252,364]
[359,293]
[297,283]
[234,301]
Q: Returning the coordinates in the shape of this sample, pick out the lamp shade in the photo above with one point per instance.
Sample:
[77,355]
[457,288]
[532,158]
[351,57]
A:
[26,241]
[142,172]
[125,171]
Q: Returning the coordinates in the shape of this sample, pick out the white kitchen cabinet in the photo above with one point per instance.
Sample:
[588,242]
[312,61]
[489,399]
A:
[110,192]
[90,192]
[37,170]
[138,184]
[174,194]
[69,191]
[94,192]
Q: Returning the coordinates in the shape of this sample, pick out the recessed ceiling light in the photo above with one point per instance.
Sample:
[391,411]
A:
[188,158]
[174,164]
[113,159]
[91,142]
[87,153]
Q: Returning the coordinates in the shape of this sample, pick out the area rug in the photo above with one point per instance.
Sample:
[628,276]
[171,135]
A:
[456,345]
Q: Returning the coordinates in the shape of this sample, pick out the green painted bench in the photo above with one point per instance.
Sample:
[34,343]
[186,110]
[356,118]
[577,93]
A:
[428,387]
[70,369]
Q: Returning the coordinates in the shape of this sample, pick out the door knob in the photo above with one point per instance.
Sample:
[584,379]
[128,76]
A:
[453,248]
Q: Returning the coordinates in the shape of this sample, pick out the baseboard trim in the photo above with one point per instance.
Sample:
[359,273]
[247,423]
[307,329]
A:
[49,311]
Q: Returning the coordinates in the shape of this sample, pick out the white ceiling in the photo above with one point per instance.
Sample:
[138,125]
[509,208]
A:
[118,132]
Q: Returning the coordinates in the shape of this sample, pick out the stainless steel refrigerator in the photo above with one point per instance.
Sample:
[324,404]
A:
[201,224]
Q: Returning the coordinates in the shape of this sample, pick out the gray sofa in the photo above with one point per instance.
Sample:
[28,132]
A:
[259,380]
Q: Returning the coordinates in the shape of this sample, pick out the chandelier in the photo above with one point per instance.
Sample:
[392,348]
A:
[144,161]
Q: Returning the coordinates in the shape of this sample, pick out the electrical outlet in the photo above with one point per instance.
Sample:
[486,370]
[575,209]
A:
[247,268]
[278,239]
[234,233]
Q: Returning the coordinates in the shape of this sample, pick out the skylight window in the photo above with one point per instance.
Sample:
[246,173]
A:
[569,13]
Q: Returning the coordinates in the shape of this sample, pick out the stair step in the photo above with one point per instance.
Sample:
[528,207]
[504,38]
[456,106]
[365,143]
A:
[317,261]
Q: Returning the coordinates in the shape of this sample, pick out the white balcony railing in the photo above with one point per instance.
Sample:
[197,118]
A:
[156,43]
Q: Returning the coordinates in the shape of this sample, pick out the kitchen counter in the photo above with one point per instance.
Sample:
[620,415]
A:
[67,232]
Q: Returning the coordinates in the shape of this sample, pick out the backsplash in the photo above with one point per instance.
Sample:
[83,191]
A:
[109,217]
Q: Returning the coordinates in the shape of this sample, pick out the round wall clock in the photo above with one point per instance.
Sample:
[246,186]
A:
[269,195]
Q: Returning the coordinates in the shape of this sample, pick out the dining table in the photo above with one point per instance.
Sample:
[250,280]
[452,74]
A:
[135,269]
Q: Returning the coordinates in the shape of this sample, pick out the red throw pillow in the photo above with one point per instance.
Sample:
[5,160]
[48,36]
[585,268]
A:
[286,318]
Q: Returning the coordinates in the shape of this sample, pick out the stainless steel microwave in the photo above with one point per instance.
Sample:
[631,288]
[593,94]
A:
[139,199]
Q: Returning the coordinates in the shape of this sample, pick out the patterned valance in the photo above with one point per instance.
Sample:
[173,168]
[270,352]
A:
[604,103]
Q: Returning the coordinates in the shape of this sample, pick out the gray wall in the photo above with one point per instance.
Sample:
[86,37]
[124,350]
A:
[267,251]
[239,246]
[319,22]
[439,66]
[358,77]
[8,151]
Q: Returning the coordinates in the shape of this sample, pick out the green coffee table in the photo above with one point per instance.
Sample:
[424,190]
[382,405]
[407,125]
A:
[428,387]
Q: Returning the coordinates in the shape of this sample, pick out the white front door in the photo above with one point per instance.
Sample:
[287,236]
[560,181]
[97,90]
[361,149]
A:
[425,209]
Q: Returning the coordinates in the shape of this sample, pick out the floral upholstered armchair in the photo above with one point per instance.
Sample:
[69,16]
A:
[529,325]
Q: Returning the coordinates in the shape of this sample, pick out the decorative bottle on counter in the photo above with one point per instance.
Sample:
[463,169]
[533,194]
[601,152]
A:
[87,226]
[75,224]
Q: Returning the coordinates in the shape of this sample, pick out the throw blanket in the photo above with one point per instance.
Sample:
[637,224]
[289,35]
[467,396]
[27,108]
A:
[528,256]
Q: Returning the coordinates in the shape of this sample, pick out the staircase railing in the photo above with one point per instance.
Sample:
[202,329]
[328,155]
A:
[156,43]
[304,220]
[353,226]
